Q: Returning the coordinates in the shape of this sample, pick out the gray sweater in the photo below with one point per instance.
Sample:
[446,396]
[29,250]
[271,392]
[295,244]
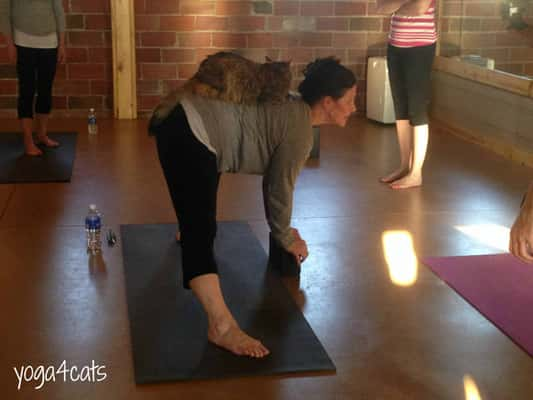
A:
[269,140]
[35,17]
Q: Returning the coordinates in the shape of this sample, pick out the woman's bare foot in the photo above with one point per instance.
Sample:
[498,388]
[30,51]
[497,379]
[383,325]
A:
[229,336]
[44,139]
[178,236]
[31,150]
[398,174]
[406,182]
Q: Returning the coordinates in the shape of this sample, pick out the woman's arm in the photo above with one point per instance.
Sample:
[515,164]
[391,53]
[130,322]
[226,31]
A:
[389,6]
[7,29]
[60,26]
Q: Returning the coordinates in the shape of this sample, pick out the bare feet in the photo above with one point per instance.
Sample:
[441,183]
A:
[398,174]
[178,236]
[406,182]
[31,150]
[229,336]
[47,141]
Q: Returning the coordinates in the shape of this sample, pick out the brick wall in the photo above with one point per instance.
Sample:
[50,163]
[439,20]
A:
[477,27]
[85,80]
[173,36]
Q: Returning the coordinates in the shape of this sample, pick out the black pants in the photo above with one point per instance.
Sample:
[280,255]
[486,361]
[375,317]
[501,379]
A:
[36,69]
[410,81]
[192,178]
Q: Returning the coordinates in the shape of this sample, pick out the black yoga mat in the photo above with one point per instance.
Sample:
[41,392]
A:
[167,324]
[55,165]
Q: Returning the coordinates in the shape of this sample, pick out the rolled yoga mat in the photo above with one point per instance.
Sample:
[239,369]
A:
[499,286]
[169,328]
[55,165]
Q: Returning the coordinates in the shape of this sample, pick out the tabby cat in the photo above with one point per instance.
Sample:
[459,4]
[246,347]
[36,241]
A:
[230,77]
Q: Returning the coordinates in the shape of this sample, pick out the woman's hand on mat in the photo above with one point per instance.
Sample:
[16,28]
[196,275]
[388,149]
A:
[521,243]
[61,54]
[298,249]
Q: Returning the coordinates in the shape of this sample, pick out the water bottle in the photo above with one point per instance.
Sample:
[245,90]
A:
[93,226]
[92,127]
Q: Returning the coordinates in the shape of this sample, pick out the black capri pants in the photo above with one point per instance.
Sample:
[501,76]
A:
[192,177]
[410,81]
[36,69]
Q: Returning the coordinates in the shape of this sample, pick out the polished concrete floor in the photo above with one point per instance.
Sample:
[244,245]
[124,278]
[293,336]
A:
[419,340]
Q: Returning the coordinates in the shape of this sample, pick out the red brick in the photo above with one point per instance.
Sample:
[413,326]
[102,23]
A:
[202,54]
[244,24]
[98,22]
[377,39]
[85,38]
[312,39]
[186,71]
[101,55]
[452,9]
[337,53]
[61,71]
[211,23]
[101,87]
[286,7]
[350,8]
[152,55]
[140,7]
[177,55]
[195,39]
[158,71]
[349,40]
[158,39]
[90,6]
[85,102]
[148,102]
[3,55]
[8,71]
[260,40]
[317,8]
[86,71]
[197,7]
[233,8]
[149,87]
[475,40]
[274,24]
[480,10]
[298,54]
[332,24]
[8,87]
[76,54]
[285,40]
[146,23]
[230,40]
[162,6]
[59,102]
[177,23]
[75,21]
[71,87]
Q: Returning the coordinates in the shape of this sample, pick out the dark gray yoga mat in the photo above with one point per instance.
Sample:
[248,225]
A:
[169,329]
[55,165]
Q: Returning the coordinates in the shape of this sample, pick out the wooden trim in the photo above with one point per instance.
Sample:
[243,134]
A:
[499,79]
[124,62]
[504,149]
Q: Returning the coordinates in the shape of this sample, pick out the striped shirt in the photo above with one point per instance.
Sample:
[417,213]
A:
[413,30]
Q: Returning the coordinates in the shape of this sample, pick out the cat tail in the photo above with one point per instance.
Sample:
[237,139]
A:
[165,107]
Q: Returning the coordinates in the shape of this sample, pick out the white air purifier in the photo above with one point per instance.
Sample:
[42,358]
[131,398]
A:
[379,105]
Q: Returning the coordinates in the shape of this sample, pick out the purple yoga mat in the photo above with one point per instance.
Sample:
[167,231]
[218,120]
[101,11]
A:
[498,285]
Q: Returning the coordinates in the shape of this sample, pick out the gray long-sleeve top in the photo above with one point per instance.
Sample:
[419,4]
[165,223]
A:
[34,17]
[265,139]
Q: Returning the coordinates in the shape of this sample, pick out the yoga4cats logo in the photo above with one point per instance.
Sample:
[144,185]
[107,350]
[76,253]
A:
[41,375]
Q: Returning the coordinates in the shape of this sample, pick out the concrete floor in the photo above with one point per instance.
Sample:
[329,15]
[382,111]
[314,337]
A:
[387,341]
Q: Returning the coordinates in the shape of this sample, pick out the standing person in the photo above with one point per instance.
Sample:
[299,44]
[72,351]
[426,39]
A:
[35,35]
[410,54]
[199,138]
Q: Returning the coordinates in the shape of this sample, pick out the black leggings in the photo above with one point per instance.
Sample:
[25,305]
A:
[410,81]
[192,178]
[36,69]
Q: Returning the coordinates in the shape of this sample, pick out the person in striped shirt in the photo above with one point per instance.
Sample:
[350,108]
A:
[410,54]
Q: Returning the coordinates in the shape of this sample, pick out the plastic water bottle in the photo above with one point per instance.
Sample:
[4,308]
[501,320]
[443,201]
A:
[93,227]
[92,126]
